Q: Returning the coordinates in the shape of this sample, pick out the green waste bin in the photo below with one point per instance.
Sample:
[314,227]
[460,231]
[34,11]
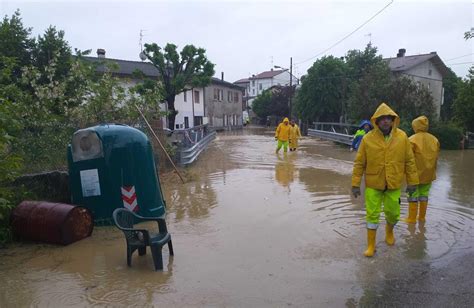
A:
[112,166]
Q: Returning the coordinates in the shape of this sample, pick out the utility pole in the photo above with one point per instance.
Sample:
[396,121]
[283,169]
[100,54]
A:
[291,83]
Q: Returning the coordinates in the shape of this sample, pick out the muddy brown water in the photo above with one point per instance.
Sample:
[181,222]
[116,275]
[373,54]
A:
[252,229]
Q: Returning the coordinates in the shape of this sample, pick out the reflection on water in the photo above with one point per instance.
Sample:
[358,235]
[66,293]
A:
[253,228]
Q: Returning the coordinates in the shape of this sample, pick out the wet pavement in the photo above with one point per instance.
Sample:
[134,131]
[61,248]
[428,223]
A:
[252,228]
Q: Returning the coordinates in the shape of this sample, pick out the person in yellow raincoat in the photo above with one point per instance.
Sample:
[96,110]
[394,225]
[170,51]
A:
[426,150]
[282,135]
[385,157]
[295,134]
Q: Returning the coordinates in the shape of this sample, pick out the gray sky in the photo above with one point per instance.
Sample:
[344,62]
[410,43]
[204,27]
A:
[242,37]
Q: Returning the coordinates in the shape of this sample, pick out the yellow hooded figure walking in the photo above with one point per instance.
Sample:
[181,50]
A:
[426,150]
[282,135]
[384,157]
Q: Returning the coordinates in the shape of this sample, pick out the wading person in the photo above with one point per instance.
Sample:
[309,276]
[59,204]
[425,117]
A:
[282,135]
[364,128]
[295,134]
[426,149]
[384,157]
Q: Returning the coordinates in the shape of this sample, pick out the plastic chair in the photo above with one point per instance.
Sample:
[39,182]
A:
[139,239]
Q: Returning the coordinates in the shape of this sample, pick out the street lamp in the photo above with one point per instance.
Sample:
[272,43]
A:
[291,82]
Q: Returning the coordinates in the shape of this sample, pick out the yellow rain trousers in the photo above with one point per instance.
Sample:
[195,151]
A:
[385,161]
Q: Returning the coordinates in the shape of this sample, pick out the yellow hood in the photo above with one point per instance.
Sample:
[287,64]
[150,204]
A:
[286,120]
[382,110]
[420,124]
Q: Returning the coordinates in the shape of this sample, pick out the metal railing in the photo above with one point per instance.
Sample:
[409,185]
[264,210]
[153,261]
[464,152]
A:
[337,132]
[191,142]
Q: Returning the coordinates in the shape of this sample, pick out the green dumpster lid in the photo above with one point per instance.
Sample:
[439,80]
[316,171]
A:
[119,135]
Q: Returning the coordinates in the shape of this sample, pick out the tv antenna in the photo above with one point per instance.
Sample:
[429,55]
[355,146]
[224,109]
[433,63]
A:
[370,37]
[140,43]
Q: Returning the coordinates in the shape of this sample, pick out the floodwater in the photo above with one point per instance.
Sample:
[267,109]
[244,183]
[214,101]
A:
[252,229]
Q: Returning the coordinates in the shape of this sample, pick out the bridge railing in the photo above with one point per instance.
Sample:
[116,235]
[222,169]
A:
[191,142]
[337,132]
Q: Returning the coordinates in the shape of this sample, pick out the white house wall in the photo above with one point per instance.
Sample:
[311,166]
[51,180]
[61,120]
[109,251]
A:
[433,82]
[185,108]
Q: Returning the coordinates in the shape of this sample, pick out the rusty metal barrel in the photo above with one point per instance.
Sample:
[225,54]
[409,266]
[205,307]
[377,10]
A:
[56,223]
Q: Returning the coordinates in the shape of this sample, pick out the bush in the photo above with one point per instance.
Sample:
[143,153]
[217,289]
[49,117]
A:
[448,134]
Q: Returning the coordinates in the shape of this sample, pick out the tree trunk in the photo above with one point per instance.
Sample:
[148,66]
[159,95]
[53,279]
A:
[171,112]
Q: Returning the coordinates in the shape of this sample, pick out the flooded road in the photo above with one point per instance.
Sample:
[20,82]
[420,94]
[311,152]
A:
[252,228]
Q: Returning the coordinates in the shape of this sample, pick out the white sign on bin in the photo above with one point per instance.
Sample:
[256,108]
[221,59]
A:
[90,183]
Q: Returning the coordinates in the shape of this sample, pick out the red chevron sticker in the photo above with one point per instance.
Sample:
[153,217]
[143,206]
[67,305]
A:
[129,198]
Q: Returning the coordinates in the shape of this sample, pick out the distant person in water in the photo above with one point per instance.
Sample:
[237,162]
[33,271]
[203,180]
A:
[282,135]
[364,128]
[295,134]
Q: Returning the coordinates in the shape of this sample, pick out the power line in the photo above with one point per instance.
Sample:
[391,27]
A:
[345,37]
[459,57]
[460,63]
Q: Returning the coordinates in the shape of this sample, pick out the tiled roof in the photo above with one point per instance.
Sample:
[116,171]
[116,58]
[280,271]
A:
[267,74]
[126,67]
[243,80]
[400,64]
[225,83]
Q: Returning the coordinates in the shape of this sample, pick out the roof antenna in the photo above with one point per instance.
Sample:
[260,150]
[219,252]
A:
[142,54]
[370,37]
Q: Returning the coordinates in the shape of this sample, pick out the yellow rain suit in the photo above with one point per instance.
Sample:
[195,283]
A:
[426,150]
[295,134]
[385,160]
[282,134]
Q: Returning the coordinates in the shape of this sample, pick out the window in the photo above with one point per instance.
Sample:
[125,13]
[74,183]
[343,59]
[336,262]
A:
[430,72]
[196,97]
[229,96]
[253,83]
[197,120]
[220,95]
[253,91]
[185,96]
[186,122]
[259,86]
[236,97]
[216,94]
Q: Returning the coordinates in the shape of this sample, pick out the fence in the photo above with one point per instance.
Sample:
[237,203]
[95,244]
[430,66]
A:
[337,132]
[191,142]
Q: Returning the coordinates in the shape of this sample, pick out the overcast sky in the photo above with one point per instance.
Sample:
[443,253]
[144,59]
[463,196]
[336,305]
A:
[247,37]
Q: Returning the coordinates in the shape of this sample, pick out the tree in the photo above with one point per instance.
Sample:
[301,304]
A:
[261,104]
[370,82]
[273,101]
[451,84]
[189,68]
[322,96]
[409,100]
[464,103]
[53,45]
[16,43]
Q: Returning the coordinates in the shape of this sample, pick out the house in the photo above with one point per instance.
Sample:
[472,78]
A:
[425,69]
[223,104]
[189,104]
[256,84]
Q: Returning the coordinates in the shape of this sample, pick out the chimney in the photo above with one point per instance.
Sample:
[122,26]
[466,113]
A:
[222,76]
[401,53]
[100,53]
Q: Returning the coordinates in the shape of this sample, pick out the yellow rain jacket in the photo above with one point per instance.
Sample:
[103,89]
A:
[295,133]
[385,161]
[283,130]
[426,149]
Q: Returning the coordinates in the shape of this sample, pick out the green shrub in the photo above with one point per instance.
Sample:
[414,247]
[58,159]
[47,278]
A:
[448,134]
